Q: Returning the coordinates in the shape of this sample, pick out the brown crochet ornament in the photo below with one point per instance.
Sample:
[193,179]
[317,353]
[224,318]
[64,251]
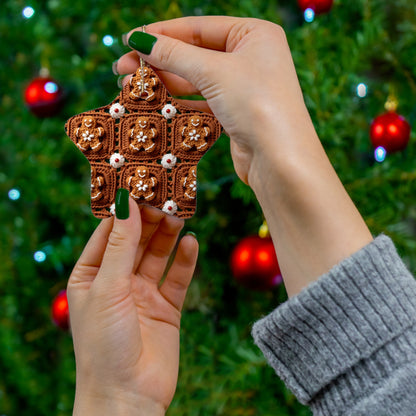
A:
[146,142]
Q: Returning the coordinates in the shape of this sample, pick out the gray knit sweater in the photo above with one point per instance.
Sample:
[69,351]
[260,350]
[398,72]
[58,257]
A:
[346,345]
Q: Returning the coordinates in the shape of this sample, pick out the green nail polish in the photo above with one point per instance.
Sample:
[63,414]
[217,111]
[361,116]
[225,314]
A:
[191,233]
[122,204]
[142,42]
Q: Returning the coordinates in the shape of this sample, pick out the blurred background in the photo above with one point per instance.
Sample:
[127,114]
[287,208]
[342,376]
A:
[352,58]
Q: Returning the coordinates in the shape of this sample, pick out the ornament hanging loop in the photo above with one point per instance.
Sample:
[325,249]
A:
[392,102]
[44,72]
[264,230]
[142,68]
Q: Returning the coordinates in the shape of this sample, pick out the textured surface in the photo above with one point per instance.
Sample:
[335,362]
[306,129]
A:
[146,142]
[346,345]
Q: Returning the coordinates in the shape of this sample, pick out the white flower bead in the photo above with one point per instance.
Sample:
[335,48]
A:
[168,161]
[117,160]
[117,110]
[170,207]
[168,111]
[113,209]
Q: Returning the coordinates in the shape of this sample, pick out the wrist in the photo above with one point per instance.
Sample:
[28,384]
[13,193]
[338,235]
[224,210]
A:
[312,220]
[284,134]
[284,152]
[115,404]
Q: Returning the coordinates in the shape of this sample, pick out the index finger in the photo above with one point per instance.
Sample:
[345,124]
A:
[209,32]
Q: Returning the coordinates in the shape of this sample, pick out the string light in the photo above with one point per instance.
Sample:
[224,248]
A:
[14,194]
[39,256]
[309,15]
[380,154]
[108,40]
[362,90]
[51,87]
[28,12]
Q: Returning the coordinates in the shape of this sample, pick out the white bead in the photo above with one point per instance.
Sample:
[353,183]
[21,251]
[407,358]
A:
[117,110]
[168,111]
[170,207]
[117,160]
[168,161]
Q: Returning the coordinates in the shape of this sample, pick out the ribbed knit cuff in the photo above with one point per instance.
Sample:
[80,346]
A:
[346,331]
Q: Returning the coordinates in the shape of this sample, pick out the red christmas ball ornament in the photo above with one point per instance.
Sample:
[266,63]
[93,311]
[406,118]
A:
[390,131]
[254,263]
[44,97]
[60,311]
[318,6]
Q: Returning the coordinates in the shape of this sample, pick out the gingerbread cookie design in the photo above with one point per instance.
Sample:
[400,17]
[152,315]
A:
[147,142]
[88,135]
[189,184]
[143,85]
[141,184]
[142,135]
[97,182]
[195,134]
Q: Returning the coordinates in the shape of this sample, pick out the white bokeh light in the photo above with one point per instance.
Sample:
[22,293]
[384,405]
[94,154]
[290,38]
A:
[14,194]
[39,256]
[51,87]
[362,90]
[108,40]
[28,12]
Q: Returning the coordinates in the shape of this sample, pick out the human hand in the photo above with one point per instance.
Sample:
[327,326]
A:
[244,70]
[125,322]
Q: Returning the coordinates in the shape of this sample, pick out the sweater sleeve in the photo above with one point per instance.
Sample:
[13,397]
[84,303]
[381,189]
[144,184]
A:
[346,345]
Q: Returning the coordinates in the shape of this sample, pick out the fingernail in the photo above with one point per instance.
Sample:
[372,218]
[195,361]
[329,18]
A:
[120,81]
[191,233]
[122,204]
[114,67]
[124,39]
[142,42]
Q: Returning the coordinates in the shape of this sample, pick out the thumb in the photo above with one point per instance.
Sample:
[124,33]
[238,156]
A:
[123,241]
[193,63]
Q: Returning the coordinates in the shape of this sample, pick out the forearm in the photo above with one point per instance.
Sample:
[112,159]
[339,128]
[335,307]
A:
[312,220]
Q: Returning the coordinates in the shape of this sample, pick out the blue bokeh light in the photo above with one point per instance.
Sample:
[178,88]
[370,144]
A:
[28,12]
[51,87]
[380,154]
[14,194]
[108,40]
[309,15]
[40,256]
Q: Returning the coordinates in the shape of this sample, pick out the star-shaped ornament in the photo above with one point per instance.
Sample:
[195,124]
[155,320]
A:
[147,142]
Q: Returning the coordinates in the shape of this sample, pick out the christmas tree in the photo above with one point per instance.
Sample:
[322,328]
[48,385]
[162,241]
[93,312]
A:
[350,60]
